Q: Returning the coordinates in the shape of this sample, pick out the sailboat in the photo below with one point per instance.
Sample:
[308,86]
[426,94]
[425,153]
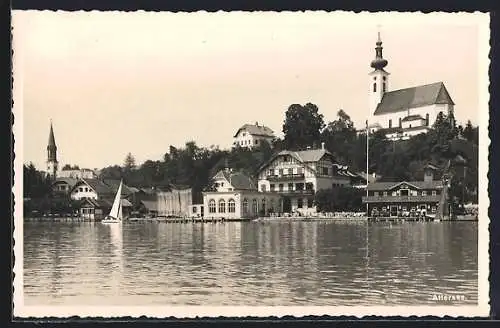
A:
[115,215]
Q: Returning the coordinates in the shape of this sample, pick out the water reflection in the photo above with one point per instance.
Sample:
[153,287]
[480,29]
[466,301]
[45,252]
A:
[288,263]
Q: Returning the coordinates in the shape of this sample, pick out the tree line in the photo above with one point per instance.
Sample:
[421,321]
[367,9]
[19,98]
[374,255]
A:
[304,127]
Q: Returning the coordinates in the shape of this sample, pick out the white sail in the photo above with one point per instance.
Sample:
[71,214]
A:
[116,208]
[120,214]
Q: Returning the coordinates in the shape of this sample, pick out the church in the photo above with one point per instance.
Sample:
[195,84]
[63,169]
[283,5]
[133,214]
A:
[407,112]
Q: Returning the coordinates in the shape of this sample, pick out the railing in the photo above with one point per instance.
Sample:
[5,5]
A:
[295,192]
[401,199]
[275,177]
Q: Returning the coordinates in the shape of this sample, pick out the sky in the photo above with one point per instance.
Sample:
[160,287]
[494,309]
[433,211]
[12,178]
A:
[114,83]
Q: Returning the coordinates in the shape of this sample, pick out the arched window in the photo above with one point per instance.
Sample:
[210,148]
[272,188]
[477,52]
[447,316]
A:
[263,205]
[383,87]
[231,206]
[374,87]
[222,206]
[255,207]
[211,206]
[400,124]
[271,206]
[245,206]
[427,119]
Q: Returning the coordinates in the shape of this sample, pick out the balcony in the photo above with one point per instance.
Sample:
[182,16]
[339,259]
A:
[402,199]
[308,192]
[284,177]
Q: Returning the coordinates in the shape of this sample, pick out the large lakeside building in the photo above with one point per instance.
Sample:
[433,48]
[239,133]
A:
[405,112]
[397,199]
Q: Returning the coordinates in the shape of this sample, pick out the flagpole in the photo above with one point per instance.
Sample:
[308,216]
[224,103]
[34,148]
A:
[367,178]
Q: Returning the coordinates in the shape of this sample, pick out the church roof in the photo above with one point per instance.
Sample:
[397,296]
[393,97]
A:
[256,130]
[423,95]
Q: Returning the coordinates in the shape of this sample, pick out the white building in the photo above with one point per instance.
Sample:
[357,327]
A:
[249,136]
[235,196]
[405,112]
[77,174]
[297,175]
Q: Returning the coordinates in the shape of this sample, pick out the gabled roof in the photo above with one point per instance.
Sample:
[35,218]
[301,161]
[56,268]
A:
[412,118]
[386,186]
[104,189]
[256,130]
[113,184]
[150,205]
[304,156]
[238,180]
[424,95]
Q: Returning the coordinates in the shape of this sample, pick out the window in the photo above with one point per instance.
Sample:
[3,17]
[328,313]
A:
[245,206]
[255,207]
[222,184]
[211,206]
[222,206]
[290,186]
[271,172]
[263,188]
[385,193]
[400,123]
[300,170]
[384,78]
[271,187]
[374,87]
[290,171]
[427,119]
[325,170]
[424,193]
[375,193]
[390,123]
[383,86]
[374,78]
[263,205]
[300,203]
[310,202]
[434,193]
[256,142]
[280,187]
[280,172]
[271,206]
[410,126]
[231,206]
[194,209]
[285,159]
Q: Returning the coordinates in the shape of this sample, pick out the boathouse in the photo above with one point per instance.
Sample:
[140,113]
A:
[427,198]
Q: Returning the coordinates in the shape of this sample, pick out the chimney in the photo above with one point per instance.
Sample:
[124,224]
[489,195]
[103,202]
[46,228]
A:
[322,145]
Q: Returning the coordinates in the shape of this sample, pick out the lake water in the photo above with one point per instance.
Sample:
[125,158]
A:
[249,263]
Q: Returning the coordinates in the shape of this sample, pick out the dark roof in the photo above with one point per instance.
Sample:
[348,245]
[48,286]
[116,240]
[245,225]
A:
[424,95]
[385,186]
[151,205]
[256,130]
[412,118]
[70,181]
[98,186]
[113,184]
[238,180]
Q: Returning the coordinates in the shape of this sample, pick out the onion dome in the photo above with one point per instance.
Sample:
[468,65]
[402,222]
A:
[379,62]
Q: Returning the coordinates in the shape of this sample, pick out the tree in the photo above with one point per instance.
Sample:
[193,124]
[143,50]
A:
[469,131]
[340,138]
[129,163]
[302,126]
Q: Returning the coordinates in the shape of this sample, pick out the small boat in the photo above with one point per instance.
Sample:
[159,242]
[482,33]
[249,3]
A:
[115,215]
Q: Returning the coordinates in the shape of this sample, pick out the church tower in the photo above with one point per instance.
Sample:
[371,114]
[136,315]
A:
[379,78]
[52,163]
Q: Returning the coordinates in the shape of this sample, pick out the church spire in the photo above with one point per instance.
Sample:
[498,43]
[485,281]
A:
[379,62]
[52,163]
